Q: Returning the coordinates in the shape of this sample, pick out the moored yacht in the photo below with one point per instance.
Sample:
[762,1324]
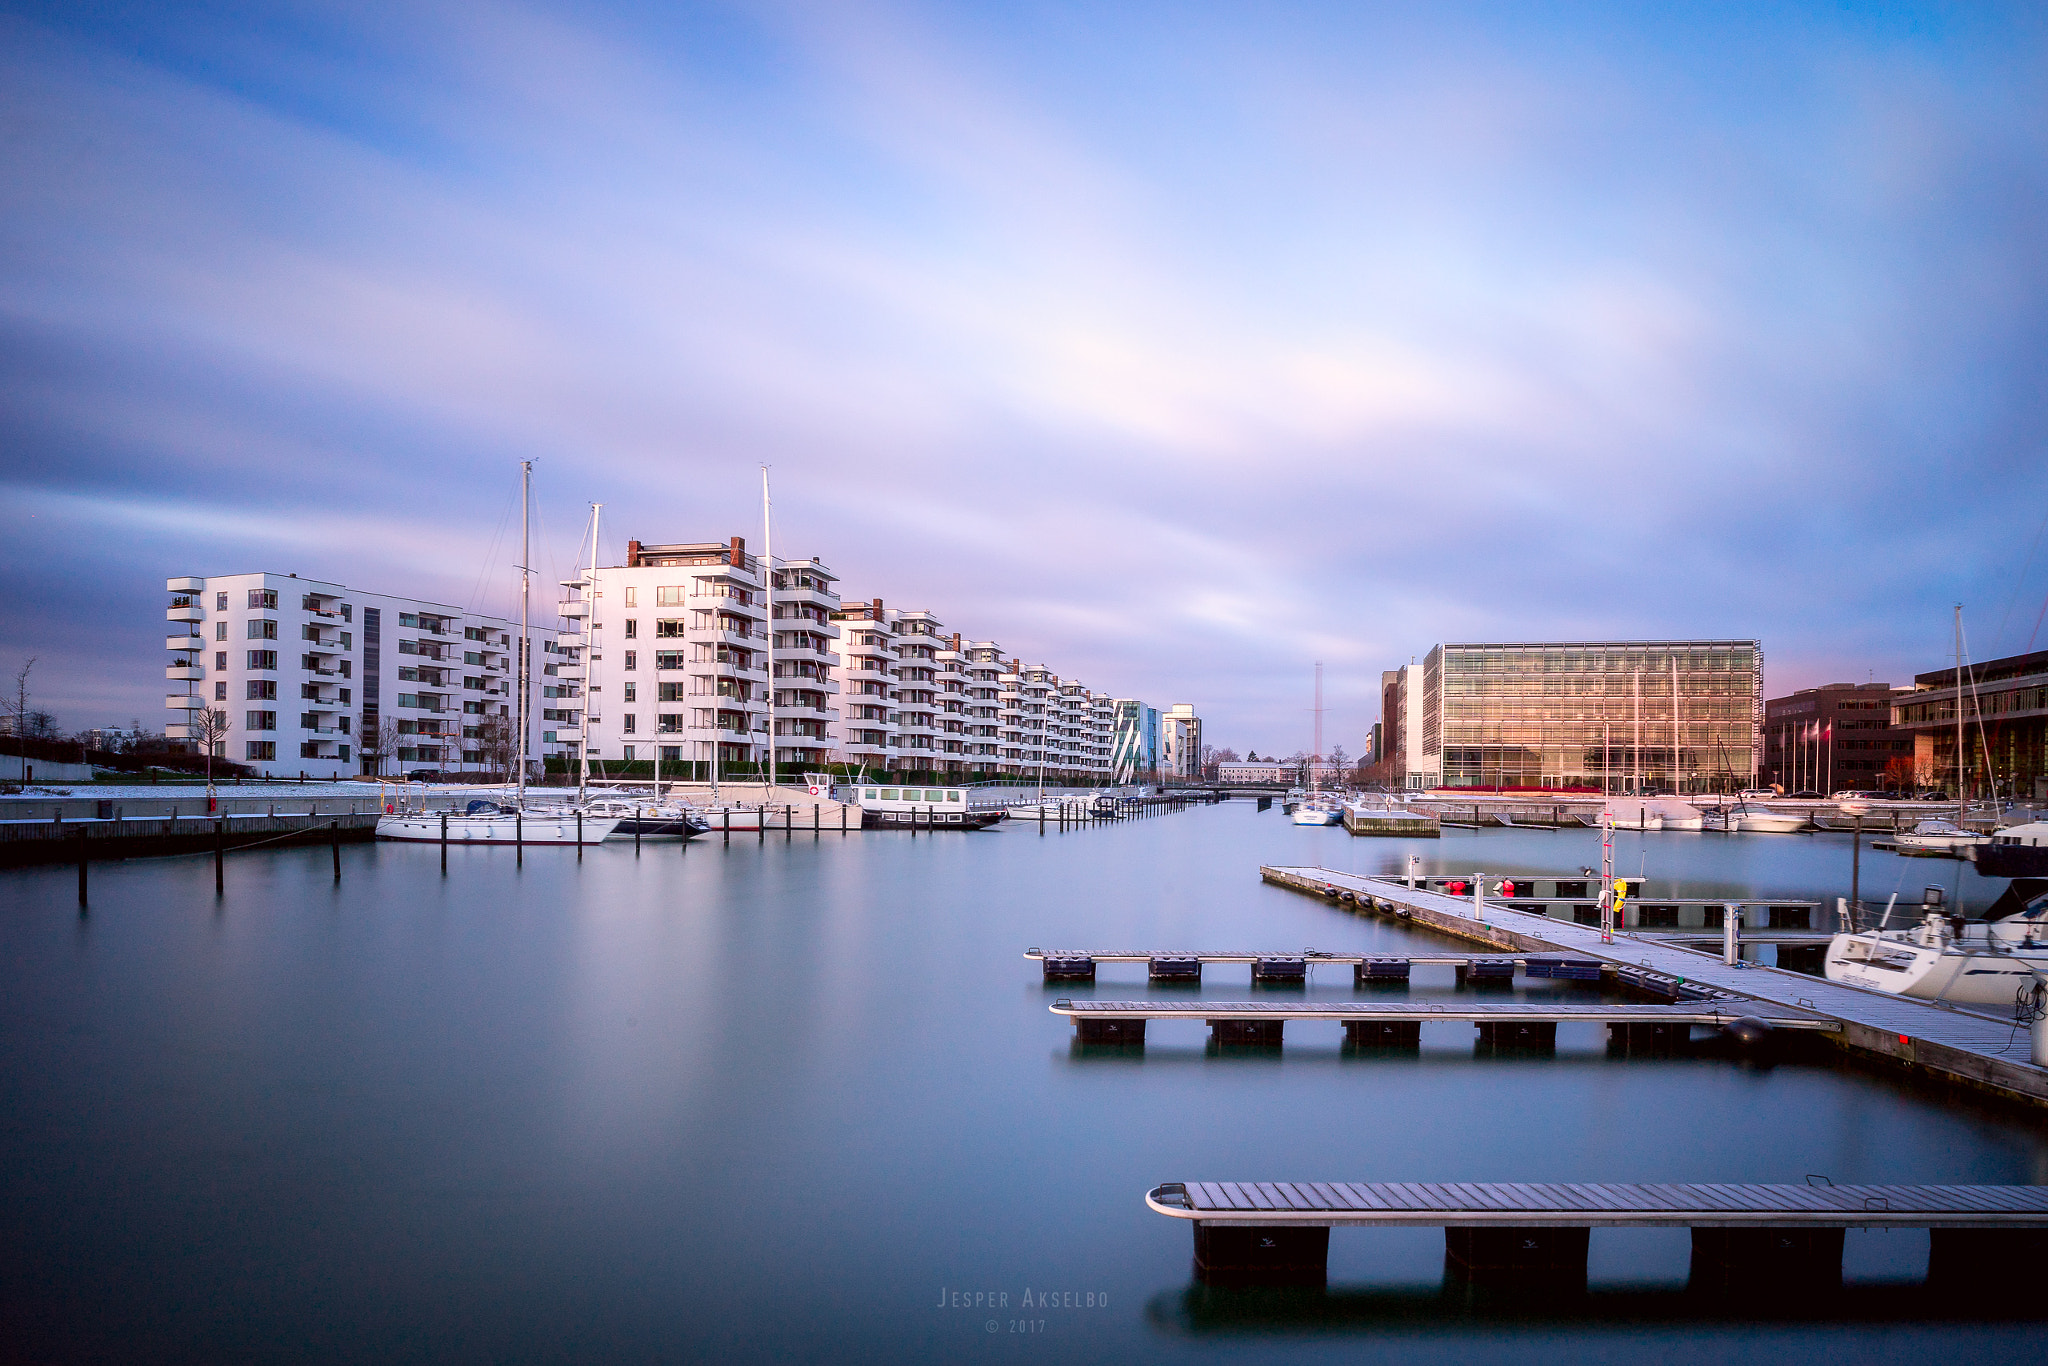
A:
[1938,837]
[1935,960]
[488,822]
[884,807]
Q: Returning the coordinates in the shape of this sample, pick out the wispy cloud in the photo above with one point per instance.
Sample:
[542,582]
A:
[1174,349]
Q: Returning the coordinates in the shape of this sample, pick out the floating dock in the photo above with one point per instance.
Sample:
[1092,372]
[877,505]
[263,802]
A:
[1517,1024]
[1405,824]
[1742,1235]
[1937,1042]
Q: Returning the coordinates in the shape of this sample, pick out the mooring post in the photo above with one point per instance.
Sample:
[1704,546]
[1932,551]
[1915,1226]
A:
[444,844]
[220,856]
[842,818]
[814,820]
[1856,864]
[334,841]
[1479,896]
[519,839]
[725,814]
[788,822]
[636,832]
[1731,927]
[81,870]
[1041,818]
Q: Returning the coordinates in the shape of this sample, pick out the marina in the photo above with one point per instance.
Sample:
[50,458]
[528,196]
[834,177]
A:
[1956,1046]
[584,1022]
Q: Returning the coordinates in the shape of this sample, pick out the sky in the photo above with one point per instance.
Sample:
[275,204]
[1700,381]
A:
[1176,347]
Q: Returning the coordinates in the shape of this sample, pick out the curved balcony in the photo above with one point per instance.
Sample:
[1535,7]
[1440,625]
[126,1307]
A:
[179,701]
[185,584]
[185,612]
[574,611]
[575,671]
[190,645]
[185,672]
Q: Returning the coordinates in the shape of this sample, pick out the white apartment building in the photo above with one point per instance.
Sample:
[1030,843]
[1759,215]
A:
[673,647]
[305,670]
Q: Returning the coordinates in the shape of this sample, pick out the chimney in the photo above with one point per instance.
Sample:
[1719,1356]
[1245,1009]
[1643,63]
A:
[737,556]
[878,609]
[956,642]
[632,554]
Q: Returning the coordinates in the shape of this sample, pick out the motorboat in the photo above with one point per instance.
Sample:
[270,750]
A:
[1937,961]
[1751,819]
[649,820]
[488,822]
[2016,851]
[1939,838]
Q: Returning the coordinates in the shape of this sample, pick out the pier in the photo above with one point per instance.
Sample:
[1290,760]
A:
[1520,1024]
[1941,1043]
[1755,1237]
[23,843]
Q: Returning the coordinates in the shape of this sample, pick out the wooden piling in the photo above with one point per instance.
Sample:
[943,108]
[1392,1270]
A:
[334,841]
[579,837]
[444,844]
[519,839]
[81,870]
[220,857]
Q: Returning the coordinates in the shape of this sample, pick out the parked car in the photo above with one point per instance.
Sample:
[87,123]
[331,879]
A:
[424,775]
[1930,794]
[1756,794]
[1805,794]
[1851,794]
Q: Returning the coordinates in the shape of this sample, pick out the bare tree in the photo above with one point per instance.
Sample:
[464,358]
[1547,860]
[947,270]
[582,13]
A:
[17,708]
[210,728]
[498,738]
[378,744]
[1337,761]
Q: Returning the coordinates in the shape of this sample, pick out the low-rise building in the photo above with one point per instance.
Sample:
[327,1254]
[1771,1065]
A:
[326,680]
[1180,742]
[1833,737]
[2005,726]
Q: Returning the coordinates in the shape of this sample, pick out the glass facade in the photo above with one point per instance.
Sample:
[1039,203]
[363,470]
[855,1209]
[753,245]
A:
[1616,716]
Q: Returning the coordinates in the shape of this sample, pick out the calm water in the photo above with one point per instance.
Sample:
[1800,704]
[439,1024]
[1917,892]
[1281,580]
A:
[772,1102]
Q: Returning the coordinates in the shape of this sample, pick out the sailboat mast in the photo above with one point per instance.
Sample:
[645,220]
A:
[589,656]
[768,579]
[523,708]
[1315,762]
[1962,795]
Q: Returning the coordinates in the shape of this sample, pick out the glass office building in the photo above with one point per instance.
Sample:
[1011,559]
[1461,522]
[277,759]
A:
[1611,716]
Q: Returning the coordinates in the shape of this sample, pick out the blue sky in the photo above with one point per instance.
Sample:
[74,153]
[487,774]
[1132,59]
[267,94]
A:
[1176,346]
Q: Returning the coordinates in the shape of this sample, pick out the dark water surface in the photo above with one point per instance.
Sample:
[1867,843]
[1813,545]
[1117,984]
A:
[774,1102]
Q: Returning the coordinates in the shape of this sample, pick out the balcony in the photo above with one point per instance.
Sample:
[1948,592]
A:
[185,612]
[179,731]
[576,610]
[576,671]
[567,735]
[189,645]
[185,672]
[179,701]
[185,585]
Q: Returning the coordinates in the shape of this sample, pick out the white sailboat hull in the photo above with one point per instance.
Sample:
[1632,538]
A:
[425,828]
[1907,969]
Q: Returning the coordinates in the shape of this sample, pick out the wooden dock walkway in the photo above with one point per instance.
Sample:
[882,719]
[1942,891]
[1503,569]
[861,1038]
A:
[1939,1042]
[1752,1237]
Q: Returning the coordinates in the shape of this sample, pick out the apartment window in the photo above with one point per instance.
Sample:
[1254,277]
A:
[308,632]
[264,689]
[220,660]
[632,627]
[263,599]
[262,628]
[263,659]
[220,630]
[407,699]
[259,720]
[472,709]
[627,751]
[220,691]
[668,659]
[260,749]
[346,610]
[472,657]
[220,602]
[669,595]
[309,720]
[632,657]
[476,684]
[632,692]
[629,723]
[671,692]
[669,628]
[346,668]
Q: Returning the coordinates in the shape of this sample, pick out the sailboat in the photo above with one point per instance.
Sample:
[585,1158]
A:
[1937,960]
[513,822]
[1316,808]
[1941,838]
